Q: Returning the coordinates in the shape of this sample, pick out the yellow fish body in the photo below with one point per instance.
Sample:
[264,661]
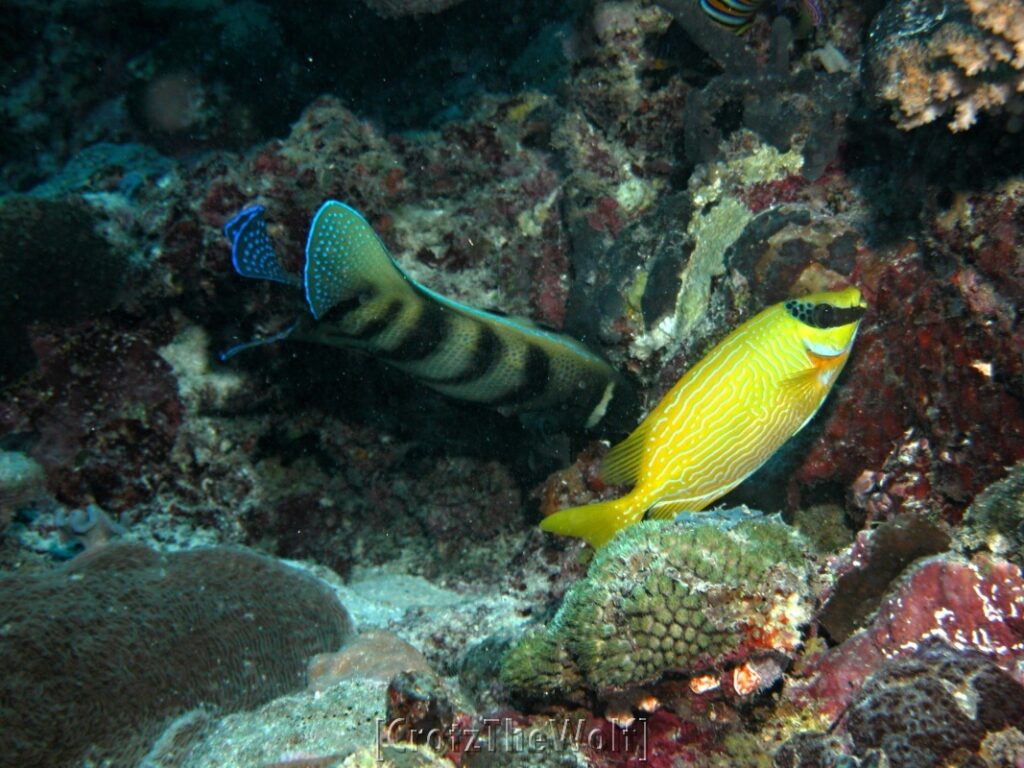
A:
[726,416]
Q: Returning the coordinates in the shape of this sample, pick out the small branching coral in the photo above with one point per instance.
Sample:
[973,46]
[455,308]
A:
[931,58]
[664,597]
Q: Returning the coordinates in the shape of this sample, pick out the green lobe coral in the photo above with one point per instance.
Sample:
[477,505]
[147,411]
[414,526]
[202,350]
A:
[666,597]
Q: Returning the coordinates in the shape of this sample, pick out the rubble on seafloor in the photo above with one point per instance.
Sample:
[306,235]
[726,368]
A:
[664,190]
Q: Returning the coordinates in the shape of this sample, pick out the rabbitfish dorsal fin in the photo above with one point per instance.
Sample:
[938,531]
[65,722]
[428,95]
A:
[621,465]
[344,256]
[252,253]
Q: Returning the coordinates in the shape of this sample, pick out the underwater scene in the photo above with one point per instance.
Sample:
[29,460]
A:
[477,384]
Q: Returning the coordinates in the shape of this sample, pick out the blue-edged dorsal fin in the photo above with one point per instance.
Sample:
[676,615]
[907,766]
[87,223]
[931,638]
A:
[343,257]
[252,253]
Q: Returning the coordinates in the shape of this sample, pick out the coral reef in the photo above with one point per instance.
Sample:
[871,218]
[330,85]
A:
[937,706]
[55,267]
[623,170]
[160,86]
[913,709]
[103,410]
[102,654]
[995,519]
[865,571]
[419,707]
[92,527]
[928,58]
[970,605]
[942,426]
[21,481]
[333,728]
[372,655]
[663,597]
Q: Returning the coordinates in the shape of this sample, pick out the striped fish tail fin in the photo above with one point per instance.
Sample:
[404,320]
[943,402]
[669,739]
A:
[596,523]
[346,263]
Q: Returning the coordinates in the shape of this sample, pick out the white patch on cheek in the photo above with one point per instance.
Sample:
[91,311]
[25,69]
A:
[823,349]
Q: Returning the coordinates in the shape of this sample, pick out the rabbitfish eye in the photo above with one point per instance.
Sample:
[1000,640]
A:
[823,316]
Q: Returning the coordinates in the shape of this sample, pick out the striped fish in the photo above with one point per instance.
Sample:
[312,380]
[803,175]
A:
[360,298]
[726,416]
[738,14]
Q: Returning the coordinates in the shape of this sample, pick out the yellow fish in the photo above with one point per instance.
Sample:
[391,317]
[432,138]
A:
[726,416]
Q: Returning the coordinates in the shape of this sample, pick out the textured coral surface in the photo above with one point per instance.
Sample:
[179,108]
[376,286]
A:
[101,655]
[961,56]
[627,172]
[663,598]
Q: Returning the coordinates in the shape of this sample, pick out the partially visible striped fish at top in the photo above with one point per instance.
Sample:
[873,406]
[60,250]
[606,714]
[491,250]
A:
[738,14]
[732,13]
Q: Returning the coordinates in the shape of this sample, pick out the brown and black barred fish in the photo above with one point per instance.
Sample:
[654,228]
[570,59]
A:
[360,298]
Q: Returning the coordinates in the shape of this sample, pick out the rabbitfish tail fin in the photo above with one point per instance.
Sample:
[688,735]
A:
[346,262]
[596,523]
[252,252]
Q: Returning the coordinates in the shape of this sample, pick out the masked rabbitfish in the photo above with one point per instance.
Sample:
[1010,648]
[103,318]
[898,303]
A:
[360,298]
[726,416]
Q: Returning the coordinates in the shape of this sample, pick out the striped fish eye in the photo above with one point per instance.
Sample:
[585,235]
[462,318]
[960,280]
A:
[823,315]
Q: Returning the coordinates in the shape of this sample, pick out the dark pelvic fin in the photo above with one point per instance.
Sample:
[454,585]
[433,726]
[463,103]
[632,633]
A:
[252,253]
[227,354]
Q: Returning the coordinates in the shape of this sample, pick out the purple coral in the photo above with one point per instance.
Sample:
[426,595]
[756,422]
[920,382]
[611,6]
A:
[975,606]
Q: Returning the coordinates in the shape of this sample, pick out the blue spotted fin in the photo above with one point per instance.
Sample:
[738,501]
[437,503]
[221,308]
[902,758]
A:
[360,298]
[252,253]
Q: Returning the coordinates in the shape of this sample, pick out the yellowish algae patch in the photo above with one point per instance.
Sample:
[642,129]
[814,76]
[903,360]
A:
[713,232]
[719,219]
[202,387]
[633,194]
[531,221]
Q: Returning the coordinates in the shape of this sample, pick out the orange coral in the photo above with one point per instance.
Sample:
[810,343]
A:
[956,66]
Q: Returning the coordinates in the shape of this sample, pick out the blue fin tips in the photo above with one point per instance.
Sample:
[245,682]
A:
[252,253]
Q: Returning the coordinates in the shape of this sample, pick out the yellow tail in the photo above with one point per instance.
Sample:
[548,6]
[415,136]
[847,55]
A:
[596,523]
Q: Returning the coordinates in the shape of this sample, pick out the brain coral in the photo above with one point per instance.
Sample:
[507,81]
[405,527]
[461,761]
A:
[100,655]
[667,597]
[938,707]
[934,708]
